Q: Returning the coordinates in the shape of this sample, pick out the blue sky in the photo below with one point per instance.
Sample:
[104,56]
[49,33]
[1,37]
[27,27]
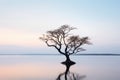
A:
[23,21]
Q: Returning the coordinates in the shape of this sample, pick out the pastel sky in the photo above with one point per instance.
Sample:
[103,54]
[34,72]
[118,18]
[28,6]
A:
[23,21]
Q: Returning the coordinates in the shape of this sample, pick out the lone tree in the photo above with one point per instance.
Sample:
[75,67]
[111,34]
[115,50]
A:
[65,43]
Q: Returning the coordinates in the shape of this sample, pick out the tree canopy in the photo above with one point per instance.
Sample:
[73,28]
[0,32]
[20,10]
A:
[63,41]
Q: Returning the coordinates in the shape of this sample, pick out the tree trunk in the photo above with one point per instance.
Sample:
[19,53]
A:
[67,58]
[68,61]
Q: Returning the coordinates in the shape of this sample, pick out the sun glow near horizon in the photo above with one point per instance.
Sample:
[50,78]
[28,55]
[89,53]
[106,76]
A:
[18,38]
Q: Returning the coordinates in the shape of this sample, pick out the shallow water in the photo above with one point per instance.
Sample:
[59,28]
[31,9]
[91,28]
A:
[49,67]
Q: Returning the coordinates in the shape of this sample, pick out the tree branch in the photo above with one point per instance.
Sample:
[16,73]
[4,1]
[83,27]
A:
[59,49]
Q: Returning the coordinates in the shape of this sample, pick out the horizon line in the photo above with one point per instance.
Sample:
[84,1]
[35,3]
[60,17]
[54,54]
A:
[86,54]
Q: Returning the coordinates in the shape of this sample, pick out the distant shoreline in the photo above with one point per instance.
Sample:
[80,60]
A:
[104,54]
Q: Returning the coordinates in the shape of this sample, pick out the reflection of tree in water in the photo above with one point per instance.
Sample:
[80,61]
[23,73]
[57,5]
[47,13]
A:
[67,75]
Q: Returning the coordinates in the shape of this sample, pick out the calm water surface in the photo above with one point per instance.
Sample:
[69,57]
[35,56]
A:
[48,67]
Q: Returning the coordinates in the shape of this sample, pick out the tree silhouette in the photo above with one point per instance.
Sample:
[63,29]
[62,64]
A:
[65,43]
